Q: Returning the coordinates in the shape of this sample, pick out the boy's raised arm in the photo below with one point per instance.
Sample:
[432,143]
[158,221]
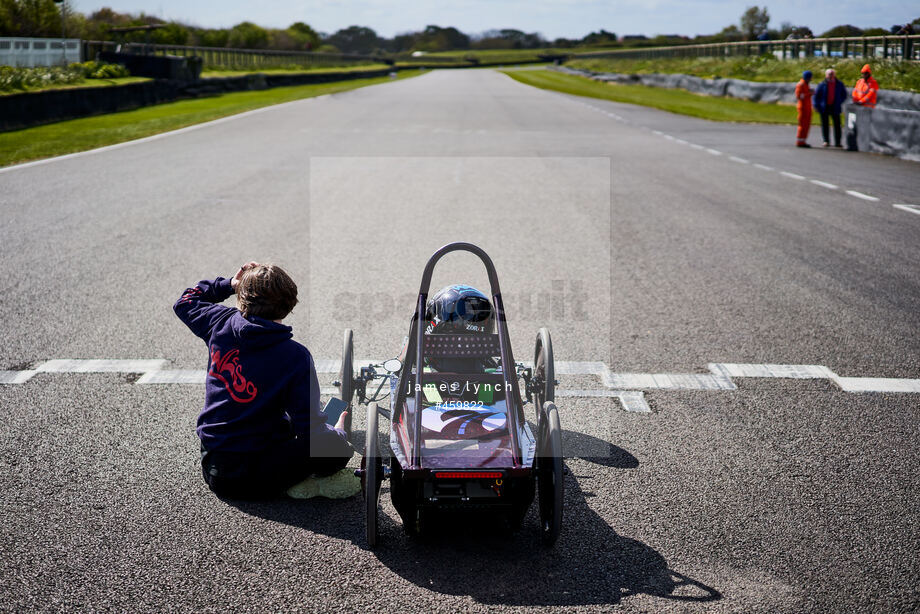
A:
[199,306]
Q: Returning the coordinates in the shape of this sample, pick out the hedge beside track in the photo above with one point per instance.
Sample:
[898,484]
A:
[18,111]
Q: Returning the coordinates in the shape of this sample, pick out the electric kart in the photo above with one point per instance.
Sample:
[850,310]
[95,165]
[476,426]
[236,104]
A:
[459,441]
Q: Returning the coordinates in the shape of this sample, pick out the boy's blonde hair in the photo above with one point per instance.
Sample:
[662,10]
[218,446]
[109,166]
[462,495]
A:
[266,291]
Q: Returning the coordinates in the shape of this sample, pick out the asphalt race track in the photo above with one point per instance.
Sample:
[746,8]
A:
[761,301]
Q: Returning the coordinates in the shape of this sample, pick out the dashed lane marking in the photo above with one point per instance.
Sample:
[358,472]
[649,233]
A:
[824,184]
[681,141]
[695,146]
[791,175]
[714,152]
[738,160]
[862,196]
[911,208]
[763,167]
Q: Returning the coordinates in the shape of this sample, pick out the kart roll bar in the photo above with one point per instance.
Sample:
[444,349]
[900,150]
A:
[415,353]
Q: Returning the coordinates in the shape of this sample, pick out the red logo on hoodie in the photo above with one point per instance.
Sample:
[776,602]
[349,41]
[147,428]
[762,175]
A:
[241,389]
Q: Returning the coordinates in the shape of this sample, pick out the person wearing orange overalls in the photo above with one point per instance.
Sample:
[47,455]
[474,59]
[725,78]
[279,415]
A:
[803,108]
[865,92]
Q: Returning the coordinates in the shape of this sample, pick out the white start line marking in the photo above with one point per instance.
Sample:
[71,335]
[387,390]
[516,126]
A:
[862,196]
[911,208]
[628,388]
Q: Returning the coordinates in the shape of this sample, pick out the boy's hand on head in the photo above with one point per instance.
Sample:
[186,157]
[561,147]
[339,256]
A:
[235,282]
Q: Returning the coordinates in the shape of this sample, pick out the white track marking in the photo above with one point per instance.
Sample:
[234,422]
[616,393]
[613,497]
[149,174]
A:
[183,376]
[669,137]
[695,146]
[627,387]
[630,400]
[877,384]
[681,141]
[16,377]
[861,195]
[824,184]
[783,371]
[911,208]
[791,175]
[739,160]
[668,381]
[763,167]
[657,132]
[714,152]
[100,366]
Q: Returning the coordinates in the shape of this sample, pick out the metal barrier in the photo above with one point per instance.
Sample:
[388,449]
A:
[32,52]
[865,47]
[243,59]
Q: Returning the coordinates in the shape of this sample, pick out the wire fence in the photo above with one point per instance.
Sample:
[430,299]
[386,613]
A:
[866,47]
[222,58]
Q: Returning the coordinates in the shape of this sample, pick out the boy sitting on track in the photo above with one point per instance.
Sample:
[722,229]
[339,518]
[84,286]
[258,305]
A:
[262,429]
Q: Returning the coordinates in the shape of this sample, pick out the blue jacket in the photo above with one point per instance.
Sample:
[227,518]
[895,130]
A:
[261,386]
[840,96]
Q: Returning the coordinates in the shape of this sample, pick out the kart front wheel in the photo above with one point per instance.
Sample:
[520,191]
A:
[550,484]
[544,372]
[372,476]
[346,381]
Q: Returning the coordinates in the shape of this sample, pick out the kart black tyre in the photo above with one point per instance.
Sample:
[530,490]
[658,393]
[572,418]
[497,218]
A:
[373,474]
[544,372]
[550,484]
[347,368]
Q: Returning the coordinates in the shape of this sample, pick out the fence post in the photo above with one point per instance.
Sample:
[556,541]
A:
[846,42]
[885,47]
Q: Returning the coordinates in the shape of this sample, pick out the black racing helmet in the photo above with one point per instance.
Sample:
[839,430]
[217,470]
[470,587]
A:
[459,310]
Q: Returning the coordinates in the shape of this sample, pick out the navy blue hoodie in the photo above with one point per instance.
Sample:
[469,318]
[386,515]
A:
[261,386]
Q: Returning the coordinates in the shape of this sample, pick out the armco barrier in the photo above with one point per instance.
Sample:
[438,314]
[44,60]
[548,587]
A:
[736,88]
[25,110]
[894,132]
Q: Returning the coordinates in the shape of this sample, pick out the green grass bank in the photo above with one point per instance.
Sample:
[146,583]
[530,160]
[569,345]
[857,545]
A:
[675,101]
[92,132]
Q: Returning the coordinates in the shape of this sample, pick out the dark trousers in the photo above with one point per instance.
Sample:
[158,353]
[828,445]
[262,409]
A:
[825,127]
[256,475]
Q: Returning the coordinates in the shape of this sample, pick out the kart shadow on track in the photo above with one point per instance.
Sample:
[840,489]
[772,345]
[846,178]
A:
[590,564]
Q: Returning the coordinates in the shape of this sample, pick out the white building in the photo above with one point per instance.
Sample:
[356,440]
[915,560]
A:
[31,52]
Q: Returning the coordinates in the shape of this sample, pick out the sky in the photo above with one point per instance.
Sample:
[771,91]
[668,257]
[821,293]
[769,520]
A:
[552,18]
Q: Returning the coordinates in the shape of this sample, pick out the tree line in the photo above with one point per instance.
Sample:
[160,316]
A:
[48,18]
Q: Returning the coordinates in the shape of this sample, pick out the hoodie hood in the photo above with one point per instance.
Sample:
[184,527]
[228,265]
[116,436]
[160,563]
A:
[257,333]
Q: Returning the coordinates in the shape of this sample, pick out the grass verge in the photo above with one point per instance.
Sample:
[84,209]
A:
[92,132]
[675,101]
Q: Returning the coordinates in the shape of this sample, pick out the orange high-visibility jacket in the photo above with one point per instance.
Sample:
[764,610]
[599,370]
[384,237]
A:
[803,95]
[865,92]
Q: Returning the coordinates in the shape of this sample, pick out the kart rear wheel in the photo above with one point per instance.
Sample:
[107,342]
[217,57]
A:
[347,368]
[550,484]
[373,474]
[544,372]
